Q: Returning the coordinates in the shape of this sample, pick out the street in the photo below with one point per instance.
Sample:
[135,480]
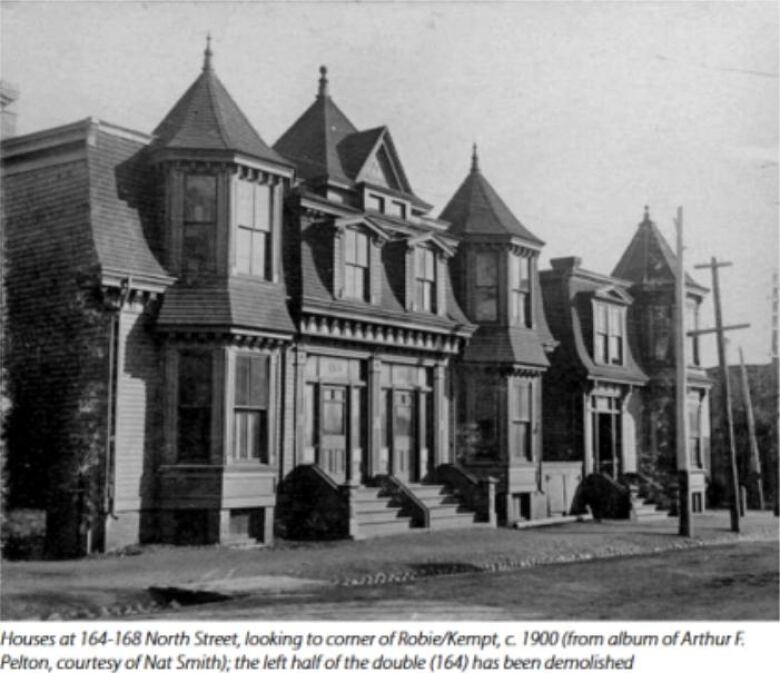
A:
[732,582]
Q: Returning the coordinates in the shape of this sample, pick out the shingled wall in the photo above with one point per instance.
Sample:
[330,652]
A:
[56,349]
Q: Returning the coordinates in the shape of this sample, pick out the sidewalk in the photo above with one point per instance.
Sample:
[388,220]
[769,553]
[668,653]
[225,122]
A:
[115,585]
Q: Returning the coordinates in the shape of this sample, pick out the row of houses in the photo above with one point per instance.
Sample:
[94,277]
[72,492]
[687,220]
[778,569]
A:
[209,339]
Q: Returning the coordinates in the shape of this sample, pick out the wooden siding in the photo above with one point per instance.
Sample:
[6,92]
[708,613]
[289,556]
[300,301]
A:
[138,407]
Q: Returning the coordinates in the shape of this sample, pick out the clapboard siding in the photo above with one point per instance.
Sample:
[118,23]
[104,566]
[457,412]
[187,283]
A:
[137,410]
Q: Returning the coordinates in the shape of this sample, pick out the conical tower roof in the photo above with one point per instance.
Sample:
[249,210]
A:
[207,118]
[649,258]
[476,208]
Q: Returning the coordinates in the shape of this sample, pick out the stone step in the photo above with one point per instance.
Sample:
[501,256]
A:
[443,511]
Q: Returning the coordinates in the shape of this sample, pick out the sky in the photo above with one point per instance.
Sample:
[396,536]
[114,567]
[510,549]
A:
[583,112]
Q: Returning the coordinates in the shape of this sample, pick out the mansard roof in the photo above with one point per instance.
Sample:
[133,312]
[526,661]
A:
[207,118]
[568,293]
[649,259]
[477,209]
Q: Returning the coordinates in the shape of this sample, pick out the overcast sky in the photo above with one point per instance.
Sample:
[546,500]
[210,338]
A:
[583,112]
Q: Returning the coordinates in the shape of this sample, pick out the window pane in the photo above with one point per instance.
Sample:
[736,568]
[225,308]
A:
[615,320]
[200,198]
[198,247]
[194,433]
[521,441]
[332,416]
[258,253]
[522,401]
[262,207]
[244,251]
[486,303]
[195,379]
[519,305]
[361,249]
[376,203]
[350,255]
[487,269]
[252,381]
[245,212]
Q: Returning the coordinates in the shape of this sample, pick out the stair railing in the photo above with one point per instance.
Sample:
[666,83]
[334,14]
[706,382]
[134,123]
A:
[479,494]
[400,491]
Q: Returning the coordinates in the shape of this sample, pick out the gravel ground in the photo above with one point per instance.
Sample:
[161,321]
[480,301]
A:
[117,585]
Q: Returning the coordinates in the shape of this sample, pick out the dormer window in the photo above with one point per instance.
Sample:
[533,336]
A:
[425,279]
[200,224]
[253,242]
[609,330]
[520,290]
[486,287]
[397,209]
[374,202]
[356,265]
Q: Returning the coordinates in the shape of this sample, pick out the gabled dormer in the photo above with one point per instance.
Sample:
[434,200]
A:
[336,161]
[223,187]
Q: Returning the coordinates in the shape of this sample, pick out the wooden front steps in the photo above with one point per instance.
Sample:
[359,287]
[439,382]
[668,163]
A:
[445,508]
[377,513]
[643,508]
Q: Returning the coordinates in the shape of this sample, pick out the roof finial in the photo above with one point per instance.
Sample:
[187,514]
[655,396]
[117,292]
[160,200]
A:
[647,214]
[207,54]
[323,90]
[474,159]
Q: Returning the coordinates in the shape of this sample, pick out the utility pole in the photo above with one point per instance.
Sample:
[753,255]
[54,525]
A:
[681,389]
[776,375]
[718,330]
[755,460]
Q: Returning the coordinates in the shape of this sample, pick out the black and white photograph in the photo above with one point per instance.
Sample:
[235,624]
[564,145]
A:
[402,312]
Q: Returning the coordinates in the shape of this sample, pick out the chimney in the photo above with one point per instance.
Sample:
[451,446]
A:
[8,95]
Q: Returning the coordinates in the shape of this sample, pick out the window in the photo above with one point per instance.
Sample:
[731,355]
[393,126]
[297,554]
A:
[334,410]
[521,292]
[397,208]
[522,447]
[694,432]
[356,280]
[253,214]
[691,342]
[609,333]
[194,408]
[375,203]
[486,418]
[250,409]
[486,287]
[425,274]
[199,227]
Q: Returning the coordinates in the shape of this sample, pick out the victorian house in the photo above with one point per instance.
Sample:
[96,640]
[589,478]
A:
[609,392]
[648,265]
[498,382]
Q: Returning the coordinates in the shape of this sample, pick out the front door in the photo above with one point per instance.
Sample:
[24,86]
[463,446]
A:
[333,444]
[607,442]
[404,454]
